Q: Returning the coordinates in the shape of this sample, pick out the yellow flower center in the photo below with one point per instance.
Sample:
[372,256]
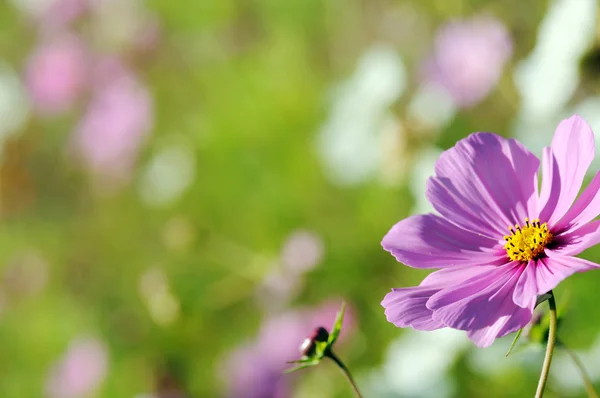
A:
[527,242]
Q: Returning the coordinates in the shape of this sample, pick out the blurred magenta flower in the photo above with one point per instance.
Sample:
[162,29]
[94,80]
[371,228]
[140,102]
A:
[255,370]
[118,119]
[80,372]
[468,58]
[56,74]
[499,242]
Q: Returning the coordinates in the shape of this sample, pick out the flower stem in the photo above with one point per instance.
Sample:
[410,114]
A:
[549,348]
[589,387]
[346,371]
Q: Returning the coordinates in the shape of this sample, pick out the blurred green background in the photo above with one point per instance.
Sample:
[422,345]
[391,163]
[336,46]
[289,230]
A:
[183,181]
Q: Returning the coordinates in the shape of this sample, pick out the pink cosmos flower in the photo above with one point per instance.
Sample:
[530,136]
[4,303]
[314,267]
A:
[498,241]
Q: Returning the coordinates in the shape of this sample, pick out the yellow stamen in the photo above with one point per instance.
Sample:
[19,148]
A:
[527,242]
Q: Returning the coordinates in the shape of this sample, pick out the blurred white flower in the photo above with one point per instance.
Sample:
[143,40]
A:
[423,168]
[536,133]
[394,147]
[549,76]
[589,109]
[431,107]
[80,372]
[349,141]
[14,106]
[33,7]
[568,379]
[122,24]
[168,174]
[417,365]
[487,361]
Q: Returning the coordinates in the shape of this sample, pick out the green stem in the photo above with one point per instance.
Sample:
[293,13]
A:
[345,370]
[589,387]
[549,348]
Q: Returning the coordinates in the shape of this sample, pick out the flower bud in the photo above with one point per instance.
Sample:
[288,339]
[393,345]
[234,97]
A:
[320,334]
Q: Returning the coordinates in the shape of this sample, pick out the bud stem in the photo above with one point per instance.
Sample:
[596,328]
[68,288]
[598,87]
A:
[344,369]
[549,348]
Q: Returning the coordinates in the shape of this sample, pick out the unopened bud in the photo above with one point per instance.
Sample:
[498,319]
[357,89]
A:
[318,335]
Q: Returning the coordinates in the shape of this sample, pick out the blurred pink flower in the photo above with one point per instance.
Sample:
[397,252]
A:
[251,376]
[80,371]
[301,251]
[59,13]
[52,16]
[255,370]
[56,74]
[468,58]
[118,119]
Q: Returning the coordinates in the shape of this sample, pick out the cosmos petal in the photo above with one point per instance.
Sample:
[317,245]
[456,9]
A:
[407,306]
[573,242]
[485,183]
[429,241]
[480,301]
[518,317]
[564,166]
[585,208]
[552,270]
[526,288]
